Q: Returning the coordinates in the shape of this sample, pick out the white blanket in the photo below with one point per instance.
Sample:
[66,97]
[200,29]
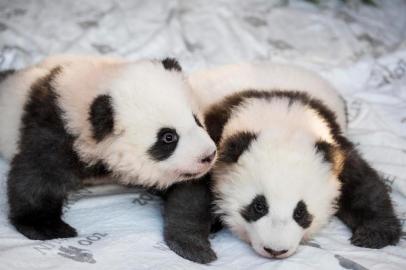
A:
[361,49]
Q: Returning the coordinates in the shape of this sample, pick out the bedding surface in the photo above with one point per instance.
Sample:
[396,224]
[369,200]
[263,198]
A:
[360,49]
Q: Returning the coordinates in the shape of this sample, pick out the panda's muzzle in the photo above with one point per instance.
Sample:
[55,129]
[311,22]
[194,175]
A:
[275,253]
[209,158]
[189,175]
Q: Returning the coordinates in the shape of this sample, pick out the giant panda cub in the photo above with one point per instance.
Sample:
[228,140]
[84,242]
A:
[285,165]
[68,119]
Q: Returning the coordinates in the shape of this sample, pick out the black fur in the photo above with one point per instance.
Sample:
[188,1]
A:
[326,149]
[171,64]
[46,167]
[235,145]
[365,205]
[217,224]
[161,150]
[197,120]
[302,216]
[256,209]
[84,170]
[5,73]
[101,117]
[217,116]
[187,220]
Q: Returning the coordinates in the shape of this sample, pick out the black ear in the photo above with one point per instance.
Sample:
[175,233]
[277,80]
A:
[326,149]
[171,64]
[101,117]
[235,145]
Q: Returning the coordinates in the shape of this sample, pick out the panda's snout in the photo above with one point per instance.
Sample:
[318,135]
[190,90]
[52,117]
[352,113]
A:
[275,253]
[208,158]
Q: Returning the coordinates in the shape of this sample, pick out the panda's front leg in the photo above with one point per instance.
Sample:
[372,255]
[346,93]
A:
[38,183]
[365,205]
[187,220]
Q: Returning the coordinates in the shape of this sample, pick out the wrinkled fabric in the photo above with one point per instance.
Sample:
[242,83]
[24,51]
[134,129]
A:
[360,49]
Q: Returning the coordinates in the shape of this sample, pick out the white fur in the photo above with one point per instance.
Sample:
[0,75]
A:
[145,96]
[282,163]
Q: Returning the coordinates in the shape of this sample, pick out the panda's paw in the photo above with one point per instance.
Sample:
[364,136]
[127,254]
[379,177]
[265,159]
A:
[376,236]
[52,230]
[191,248]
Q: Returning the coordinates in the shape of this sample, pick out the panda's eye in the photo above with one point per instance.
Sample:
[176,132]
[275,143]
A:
[256,209]
[299,213]
[260,208]
[169,137]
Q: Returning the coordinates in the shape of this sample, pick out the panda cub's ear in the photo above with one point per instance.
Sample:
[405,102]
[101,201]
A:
[101,117]
[325,149]
[171,64]
[331,154]
[235,145]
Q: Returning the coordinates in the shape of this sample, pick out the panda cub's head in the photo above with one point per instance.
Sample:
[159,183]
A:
[276,177]
[141,124]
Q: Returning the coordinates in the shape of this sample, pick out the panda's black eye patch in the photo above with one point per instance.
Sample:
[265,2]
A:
[256,209]
[165,144]
[197,120]
[101,117]
[302,216]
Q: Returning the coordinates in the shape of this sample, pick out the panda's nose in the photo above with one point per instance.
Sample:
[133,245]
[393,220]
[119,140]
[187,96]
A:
[209,158]
[275,253]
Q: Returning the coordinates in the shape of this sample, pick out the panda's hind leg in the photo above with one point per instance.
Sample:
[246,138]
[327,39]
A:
[37,188]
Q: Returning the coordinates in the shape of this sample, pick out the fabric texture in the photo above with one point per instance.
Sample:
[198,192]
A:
[361,49]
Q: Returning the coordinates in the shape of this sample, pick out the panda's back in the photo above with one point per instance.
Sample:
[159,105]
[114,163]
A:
[211,86]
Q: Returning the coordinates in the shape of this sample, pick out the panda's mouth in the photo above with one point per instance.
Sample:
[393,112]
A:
[201,170]
[190,175]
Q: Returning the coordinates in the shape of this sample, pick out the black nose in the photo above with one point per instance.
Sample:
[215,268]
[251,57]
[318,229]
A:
[209,158]
[275,253]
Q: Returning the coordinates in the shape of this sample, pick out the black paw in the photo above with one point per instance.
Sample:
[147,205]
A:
[191,248]
[51,230]
[376,237]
